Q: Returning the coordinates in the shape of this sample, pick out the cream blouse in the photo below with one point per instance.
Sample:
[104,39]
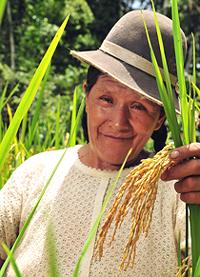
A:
[70,205]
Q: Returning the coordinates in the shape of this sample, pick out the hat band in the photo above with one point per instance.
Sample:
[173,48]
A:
[132,59]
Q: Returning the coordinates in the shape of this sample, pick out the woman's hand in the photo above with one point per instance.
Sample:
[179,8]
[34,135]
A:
[187,171]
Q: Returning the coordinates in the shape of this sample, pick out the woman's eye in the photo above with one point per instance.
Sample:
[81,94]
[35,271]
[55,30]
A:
[106,99]
[138,106]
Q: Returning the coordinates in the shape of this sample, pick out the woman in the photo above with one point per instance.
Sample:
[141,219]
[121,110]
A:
[123,111]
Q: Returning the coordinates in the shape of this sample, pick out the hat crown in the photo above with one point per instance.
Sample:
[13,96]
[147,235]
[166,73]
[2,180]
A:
[129,33]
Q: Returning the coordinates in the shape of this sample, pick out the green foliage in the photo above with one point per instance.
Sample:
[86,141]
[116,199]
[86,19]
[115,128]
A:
[2,9]
[29,96]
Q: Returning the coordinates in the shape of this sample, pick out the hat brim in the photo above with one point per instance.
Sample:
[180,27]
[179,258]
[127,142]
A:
[128,75]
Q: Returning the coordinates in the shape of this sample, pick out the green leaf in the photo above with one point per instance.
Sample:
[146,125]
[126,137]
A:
[197,269]
[180,69]
[73,118]
[51,252]
[57,133]
[195,231]
[78,120]
[12,260]
[2,9]
[33,125]
[167,101]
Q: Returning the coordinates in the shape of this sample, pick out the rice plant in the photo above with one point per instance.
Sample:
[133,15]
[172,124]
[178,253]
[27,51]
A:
[188,106]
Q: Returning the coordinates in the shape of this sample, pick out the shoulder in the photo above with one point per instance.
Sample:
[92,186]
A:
[48,159]
[39,166]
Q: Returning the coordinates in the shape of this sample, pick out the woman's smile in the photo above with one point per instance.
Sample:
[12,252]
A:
[117,137]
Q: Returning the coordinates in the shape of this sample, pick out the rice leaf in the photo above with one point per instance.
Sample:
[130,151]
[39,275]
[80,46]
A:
[10,95]
[2,9]
[57,133]
[1,107]
[23,130]
[196,89]
[29,95]
[195,231]
[77,122]
[12,260]
[3,97]
[164,61]
[167,101]
[51,252]
[179,249]
[73,118]
[194,60]
[197,269]
[33,125]
[180,69]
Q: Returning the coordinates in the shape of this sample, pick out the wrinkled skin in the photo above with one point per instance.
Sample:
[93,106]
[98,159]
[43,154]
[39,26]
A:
[186,171]
[119,119]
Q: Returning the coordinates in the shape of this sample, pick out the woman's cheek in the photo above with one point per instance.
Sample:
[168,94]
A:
[142,125]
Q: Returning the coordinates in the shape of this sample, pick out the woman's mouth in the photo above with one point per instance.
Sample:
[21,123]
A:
[118,137]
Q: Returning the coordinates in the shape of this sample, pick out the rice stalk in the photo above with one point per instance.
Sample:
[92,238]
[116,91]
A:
[197,269]
[188,105]
[57,131]
[137,194]
[51,252]
[33,125]
[185,267]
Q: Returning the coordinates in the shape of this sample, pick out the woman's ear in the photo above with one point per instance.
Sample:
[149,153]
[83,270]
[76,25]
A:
[159,122]
[85,87]
[86,93]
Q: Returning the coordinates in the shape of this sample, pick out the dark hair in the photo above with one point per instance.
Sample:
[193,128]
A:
[159,137]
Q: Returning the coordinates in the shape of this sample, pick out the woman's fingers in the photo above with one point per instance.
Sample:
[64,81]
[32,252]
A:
[183,169]
[186,152]
[186,169]
[189,184]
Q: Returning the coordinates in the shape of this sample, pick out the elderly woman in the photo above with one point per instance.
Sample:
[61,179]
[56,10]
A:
[123,110]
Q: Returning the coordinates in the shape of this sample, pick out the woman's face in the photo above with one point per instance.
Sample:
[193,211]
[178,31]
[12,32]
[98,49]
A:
[118,119]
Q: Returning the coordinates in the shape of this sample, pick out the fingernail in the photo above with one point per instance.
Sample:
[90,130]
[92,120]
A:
[174,154]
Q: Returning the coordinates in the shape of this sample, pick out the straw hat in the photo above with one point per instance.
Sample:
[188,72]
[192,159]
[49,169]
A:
[125,55]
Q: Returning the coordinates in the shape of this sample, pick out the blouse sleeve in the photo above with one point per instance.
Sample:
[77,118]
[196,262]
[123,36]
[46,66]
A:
[25,183]
[13,195]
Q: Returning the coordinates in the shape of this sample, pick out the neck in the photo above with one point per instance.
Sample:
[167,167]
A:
[86,157]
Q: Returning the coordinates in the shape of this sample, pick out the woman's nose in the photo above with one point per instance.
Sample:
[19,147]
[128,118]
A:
[120,120]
